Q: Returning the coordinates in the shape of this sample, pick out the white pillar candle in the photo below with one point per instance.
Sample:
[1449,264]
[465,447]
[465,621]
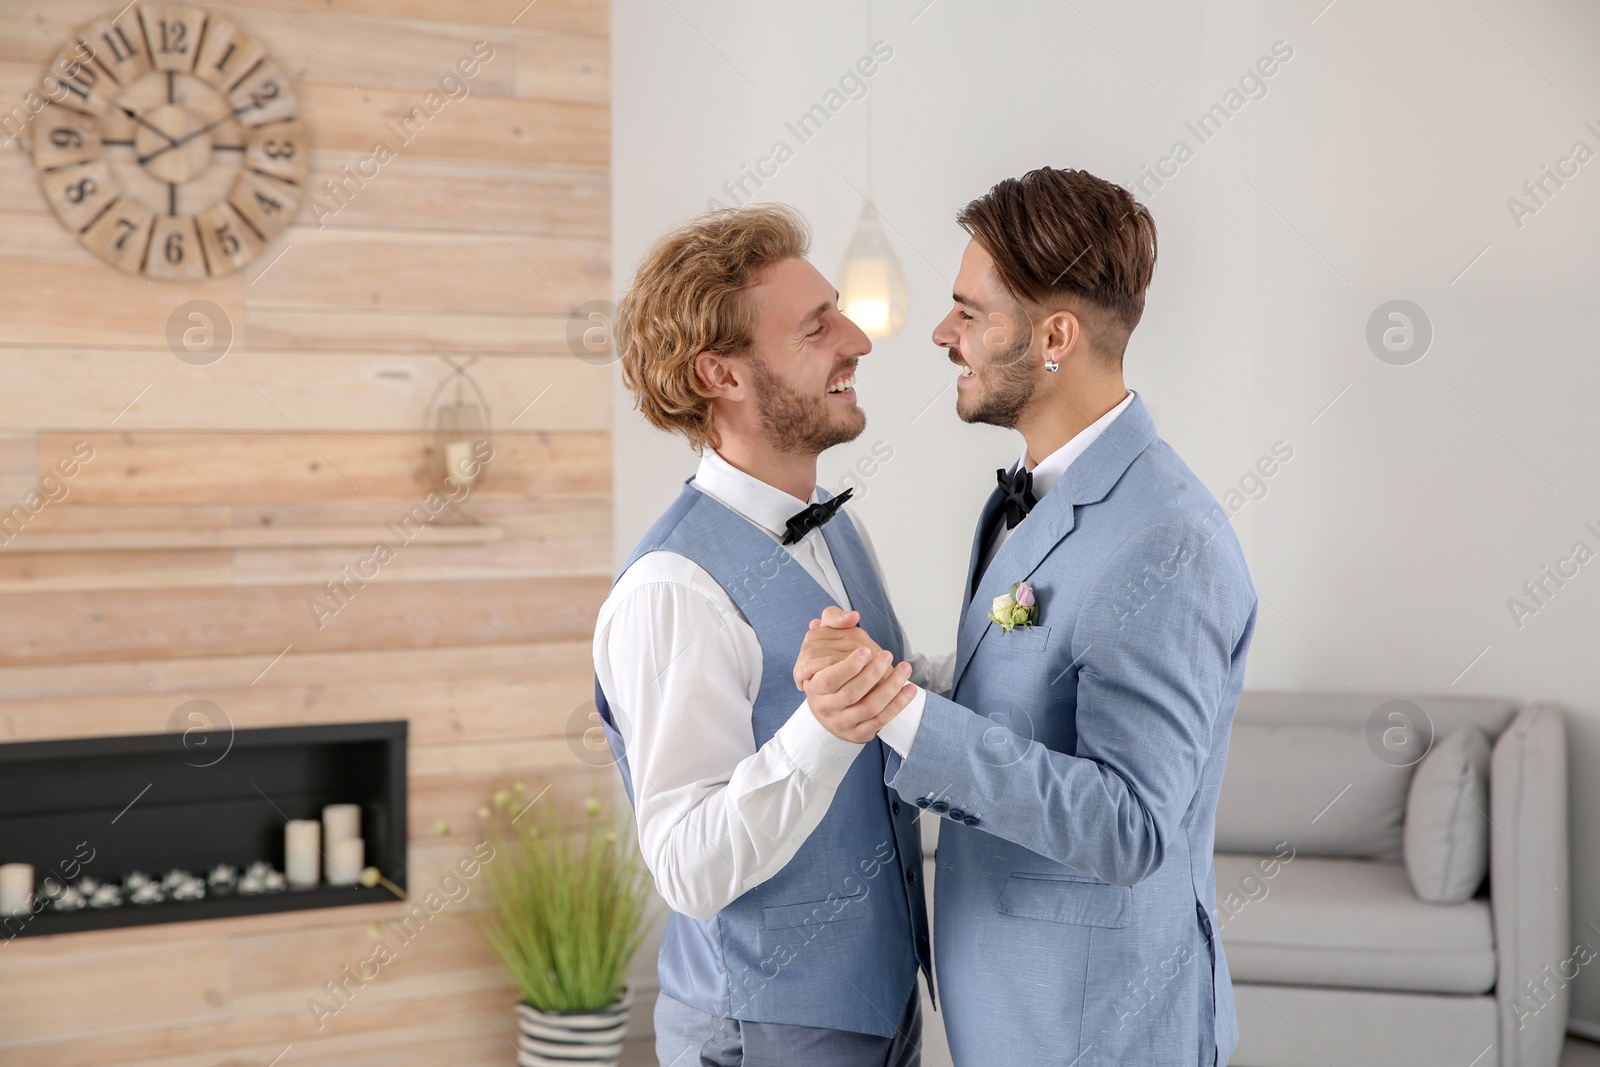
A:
[302,850]
[16,887]
[459,465]
[346,857]
[340,821]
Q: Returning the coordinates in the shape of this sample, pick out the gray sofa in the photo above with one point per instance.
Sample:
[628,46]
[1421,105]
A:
[1336,959]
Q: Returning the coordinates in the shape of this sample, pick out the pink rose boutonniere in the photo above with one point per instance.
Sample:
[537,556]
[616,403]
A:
[1019,607]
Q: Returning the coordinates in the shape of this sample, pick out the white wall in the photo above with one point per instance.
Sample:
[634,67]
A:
[1377,166]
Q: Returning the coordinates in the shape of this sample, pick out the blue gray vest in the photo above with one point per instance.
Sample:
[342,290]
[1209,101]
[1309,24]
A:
[834,939]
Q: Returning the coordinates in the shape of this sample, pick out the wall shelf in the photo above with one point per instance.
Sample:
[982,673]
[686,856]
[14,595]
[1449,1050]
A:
[153,802]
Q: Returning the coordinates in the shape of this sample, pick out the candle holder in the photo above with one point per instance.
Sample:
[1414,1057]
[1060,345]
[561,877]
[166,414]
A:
[69,900]
[105,896]
[189,889]
[148,893]
[462,445]
[223,879]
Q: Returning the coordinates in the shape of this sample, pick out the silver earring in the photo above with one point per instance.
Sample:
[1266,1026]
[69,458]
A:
[1051,365]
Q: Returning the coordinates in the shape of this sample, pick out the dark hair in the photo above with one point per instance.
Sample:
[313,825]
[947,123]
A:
[1055,233]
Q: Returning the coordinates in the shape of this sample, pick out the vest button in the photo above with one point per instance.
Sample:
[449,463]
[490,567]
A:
[894,806]
[911,876]
[922,802]
[956,814]
[940,806]
[970,820]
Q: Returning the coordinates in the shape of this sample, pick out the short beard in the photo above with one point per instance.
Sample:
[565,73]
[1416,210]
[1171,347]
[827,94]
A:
[1009,383]
[798,424]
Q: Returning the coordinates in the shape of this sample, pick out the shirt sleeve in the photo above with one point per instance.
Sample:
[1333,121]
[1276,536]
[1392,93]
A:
[716,815]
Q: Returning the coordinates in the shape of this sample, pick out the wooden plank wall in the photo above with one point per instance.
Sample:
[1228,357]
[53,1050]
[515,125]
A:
[220,498]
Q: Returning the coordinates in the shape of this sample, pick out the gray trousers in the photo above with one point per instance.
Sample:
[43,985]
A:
[688,1037]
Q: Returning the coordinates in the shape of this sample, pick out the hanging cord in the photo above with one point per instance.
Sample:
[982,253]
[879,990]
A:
[869,104]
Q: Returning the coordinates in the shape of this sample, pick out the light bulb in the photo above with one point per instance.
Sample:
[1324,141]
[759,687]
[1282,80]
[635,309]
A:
[872,284]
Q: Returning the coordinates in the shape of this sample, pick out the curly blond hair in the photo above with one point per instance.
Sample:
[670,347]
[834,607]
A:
[687,298]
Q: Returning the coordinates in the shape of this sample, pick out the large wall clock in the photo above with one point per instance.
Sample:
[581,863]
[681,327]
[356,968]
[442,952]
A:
[170,146]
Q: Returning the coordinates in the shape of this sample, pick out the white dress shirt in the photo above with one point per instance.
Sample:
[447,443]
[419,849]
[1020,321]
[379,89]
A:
[1048,471]
[681,670]
[899,732]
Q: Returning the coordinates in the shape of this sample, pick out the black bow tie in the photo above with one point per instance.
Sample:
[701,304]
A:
[813,517]
[1019,495]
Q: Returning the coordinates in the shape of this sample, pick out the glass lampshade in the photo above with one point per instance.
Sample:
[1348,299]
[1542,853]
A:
[872,285]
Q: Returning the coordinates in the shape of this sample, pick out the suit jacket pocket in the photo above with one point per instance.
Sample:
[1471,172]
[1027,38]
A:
[1024,638]
[1067,900]
[834,909]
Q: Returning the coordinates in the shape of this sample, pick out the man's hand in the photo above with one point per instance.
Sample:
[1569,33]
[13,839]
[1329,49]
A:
[853,687]
[830,639]
[856,696]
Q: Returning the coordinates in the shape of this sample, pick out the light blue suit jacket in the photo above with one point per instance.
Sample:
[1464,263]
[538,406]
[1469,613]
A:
[1077,769]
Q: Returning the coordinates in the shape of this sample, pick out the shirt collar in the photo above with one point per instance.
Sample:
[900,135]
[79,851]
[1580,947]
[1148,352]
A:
[767,506]
[1050,469]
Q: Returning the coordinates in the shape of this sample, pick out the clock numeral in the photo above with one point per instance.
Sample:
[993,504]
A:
[79,193]
[227,239]
[117,45]
[122,49]
[125,229]
[224,55]
[78,79]
[277,149]
[263,96]
[121,235]
[260,97]
[80,190]
[65,138]
[174,36]
[263,203]
[74,81]
[176,249]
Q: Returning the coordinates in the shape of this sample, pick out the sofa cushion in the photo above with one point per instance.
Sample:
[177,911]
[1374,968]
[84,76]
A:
[1353,923]
[1447,819]
[1318,787]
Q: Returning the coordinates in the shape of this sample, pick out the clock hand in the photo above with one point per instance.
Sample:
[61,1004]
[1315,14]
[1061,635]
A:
[140,119]
[186,138]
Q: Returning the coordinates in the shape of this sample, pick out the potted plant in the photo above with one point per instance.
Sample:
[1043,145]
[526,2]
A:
[571,908]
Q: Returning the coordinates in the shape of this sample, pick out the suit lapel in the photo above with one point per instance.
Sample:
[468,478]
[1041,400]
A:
[1049,521]
[1087,481]
[980,540]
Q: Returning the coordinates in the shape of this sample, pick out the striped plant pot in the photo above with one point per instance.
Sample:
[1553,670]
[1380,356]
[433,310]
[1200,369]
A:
[569,1039]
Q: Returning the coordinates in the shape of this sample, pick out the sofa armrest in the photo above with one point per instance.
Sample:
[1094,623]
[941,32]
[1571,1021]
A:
[1529,887]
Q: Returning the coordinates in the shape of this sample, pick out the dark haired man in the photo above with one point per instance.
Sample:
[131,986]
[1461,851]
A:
[1101,653]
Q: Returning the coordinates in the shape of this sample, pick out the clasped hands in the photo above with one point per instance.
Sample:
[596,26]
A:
[852,685]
